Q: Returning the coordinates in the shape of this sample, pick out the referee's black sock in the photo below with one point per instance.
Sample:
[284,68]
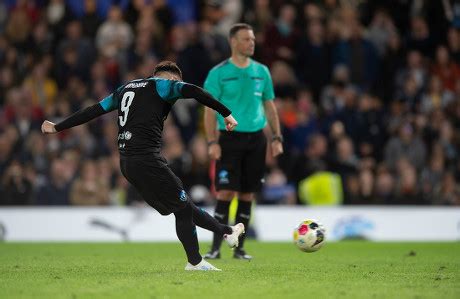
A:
[221,215]
[206,221]
[243,215]
[186,231]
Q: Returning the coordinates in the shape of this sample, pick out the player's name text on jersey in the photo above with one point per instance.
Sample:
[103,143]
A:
[136,84]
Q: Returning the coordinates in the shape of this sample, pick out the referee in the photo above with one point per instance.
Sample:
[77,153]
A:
[245,86]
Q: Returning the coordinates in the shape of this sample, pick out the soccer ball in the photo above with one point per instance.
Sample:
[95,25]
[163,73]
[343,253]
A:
[309,236]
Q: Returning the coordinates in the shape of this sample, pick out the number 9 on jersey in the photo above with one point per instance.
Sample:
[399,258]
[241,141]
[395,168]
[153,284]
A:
[126,101]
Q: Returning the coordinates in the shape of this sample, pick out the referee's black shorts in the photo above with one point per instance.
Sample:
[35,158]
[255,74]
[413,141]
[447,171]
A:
[155,182]
[242,163]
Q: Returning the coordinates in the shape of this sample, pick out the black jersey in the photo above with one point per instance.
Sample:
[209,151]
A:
[143,106]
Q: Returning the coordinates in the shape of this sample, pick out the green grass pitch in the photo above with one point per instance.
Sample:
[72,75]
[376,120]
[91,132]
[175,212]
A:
[353,269]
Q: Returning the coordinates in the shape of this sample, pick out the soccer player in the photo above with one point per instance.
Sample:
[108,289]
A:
[246,87]
[142,106]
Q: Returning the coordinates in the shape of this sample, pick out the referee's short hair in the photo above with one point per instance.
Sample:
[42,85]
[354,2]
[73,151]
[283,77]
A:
[237,27]
[167,66]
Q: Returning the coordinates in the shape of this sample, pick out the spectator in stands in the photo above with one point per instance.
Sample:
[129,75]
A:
[6,152]
[431,175]
[197,174]
[333,95]
[55,191]
[419,37]
[114,34]
[57,15]
[3,15]
[446,69]
[89,189]
[348,115]
[15,188]
[453,42]
[448,192]
[304,121]
[195,59]
[370,127]
[174,150]
[284,79]
[312,160]
[231,13]
[313,65]
[42,40]
[384,186]
[436,97]
[82,47]
[26,119]
[410,95]
[356,52]
[19,25]
[41,87]
[259,15]
[141,49]
[415,70]
[7,80]
[380,30]
[281,37]
[80,138]
[90,20]
[35,152]
[346,162]
[446,141]
[366,183]
[277,190]
[406,186]
[393,59]
[405,145]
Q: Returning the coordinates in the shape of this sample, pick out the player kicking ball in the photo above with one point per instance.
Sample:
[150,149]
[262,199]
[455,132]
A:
[143,106]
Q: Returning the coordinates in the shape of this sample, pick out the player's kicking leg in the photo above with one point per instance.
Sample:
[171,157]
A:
[231,234]
[186,232]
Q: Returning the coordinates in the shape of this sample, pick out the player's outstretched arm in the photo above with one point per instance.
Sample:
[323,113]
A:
[78,118]
[205,98]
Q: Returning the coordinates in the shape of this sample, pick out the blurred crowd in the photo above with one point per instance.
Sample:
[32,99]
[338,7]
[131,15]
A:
[368,94]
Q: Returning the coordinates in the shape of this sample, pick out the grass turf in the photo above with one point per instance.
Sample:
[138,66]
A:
[354,269]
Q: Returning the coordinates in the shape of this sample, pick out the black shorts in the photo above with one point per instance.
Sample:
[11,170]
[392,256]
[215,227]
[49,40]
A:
[242,164]
[155,182]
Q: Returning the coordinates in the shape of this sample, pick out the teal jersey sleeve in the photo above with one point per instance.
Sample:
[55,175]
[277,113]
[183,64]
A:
[108,103]
[169,90]
[211,84]
[268,93]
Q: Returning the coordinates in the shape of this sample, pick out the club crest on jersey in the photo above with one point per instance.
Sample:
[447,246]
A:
[125,135]
[128,135]
[223,177]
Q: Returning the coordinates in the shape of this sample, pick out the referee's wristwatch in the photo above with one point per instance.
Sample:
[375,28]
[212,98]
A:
[278,138]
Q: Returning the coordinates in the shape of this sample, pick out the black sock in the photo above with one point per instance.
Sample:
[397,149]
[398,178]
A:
[243,215]
[221,215]
[206,221]
[186,231]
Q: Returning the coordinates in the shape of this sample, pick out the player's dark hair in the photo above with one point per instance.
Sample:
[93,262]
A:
[237,27]
[167,66]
